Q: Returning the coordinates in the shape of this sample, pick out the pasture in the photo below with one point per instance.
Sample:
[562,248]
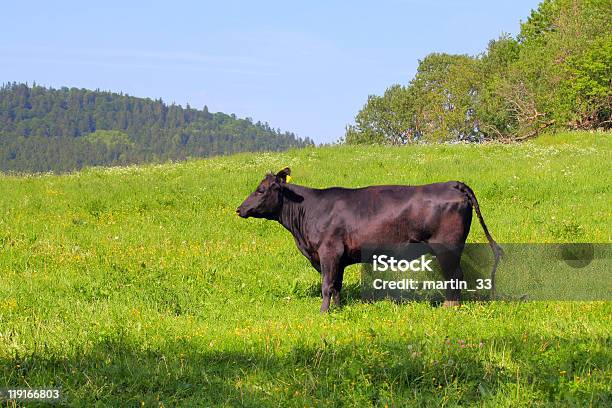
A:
[140,286]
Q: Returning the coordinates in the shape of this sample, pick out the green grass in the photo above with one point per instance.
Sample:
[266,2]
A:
[140,286]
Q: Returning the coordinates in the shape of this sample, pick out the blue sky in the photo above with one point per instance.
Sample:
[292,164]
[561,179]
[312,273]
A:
[305,66]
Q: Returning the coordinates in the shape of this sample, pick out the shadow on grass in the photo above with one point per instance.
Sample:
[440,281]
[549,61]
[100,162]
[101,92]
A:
[475,263]
[119,372]
[352,294]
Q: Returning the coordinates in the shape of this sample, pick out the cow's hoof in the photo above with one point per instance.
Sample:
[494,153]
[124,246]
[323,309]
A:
[451,303]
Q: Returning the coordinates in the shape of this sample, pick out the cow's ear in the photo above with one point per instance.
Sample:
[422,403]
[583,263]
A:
[283,174]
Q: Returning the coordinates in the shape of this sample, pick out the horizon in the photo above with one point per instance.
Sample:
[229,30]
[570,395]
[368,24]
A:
[305,69]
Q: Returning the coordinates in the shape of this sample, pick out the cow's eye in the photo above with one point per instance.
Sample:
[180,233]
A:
[259,191]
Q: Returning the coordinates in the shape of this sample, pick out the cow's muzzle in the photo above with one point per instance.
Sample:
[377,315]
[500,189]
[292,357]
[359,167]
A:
[241,212]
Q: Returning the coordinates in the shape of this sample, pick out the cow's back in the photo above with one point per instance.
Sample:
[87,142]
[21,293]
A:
[390,214]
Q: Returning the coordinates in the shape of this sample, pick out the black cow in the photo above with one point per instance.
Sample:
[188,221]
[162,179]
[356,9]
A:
[332,225]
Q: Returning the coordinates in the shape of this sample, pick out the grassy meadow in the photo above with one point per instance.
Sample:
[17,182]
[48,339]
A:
[140,286]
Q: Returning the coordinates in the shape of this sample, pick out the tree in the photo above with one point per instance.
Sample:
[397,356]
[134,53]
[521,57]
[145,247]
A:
[387,119]
[555,73]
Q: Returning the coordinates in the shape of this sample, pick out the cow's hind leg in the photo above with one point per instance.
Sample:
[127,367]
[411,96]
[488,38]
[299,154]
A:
[450,259]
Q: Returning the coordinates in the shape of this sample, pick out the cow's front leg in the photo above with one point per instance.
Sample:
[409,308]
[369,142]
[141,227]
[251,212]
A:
[330,266]
[338,285]
[326,289]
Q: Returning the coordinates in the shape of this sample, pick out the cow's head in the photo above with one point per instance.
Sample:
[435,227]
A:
[267,200]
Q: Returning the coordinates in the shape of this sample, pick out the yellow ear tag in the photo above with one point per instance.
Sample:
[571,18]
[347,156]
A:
[288,179]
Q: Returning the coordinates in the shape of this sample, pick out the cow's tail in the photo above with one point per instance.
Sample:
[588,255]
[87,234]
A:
[498,252]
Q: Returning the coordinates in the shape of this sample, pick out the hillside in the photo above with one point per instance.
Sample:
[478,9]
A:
[43,129]
[140,286]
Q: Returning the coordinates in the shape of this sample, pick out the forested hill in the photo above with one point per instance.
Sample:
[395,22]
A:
[43,129]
